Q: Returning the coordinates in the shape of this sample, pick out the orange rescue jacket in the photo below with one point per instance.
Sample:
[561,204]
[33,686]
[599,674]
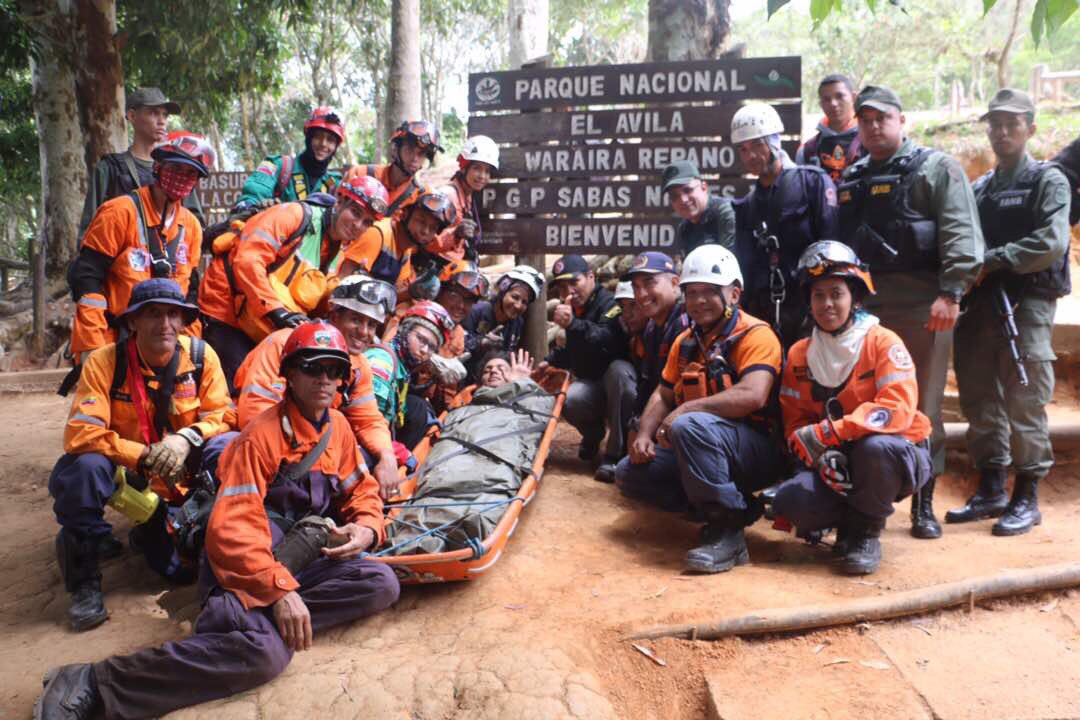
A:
[401,197]
[116,232]
[103,420]
[448,244]
[881,394]
[261,387]
[239,540]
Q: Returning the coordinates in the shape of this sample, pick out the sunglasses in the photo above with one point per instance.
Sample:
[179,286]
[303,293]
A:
[318,368]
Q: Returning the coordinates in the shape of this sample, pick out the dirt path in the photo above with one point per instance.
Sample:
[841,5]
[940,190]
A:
[538,636]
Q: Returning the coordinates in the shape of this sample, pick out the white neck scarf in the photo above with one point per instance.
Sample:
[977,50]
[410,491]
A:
[832,357]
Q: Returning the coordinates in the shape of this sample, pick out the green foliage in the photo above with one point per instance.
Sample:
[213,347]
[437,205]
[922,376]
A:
[19,158]
[601,32]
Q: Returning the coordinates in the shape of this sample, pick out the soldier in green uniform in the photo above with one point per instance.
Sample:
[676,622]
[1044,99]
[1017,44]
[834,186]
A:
[909,212]
[1024,207]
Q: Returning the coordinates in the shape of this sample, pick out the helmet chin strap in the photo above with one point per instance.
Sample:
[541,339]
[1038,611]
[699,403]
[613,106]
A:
[846,325]
[397,158]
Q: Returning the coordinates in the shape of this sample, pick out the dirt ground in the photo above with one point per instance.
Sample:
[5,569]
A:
[539,636]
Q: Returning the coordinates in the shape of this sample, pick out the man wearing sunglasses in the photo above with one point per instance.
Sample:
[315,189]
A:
[412,145]
[706,219]
[267,596]
[394,249]
[359,307]
[145,234]
[285,178]
[278,270]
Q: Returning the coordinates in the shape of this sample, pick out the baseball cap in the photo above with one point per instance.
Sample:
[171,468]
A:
[1011,101]
[679,173]
[150,97]
[650,262]
[569,267]
[878,97]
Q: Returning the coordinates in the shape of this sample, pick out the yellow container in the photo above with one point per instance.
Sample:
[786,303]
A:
[136,505]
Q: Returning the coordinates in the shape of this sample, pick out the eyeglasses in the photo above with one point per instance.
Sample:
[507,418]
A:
[319,368]
[425,343]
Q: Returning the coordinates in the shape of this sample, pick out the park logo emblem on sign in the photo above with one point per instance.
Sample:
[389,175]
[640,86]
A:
[487,90]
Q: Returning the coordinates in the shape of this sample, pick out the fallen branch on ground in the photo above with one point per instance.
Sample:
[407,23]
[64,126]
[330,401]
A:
[909,602]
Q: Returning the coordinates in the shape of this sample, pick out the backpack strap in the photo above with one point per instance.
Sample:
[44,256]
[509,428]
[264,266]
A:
[198,359]
[284,176]
[292,473]
[150,237]
[119,369]
[129,163]
[405,195]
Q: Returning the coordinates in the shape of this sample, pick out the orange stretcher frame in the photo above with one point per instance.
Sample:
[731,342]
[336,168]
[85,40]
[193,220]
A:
[470,563]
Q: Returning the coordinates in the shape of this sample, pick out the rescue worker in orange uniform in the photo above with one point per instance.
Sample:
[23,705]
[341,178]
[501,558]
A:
[477,164]
[280,267]
[849,398]
[395,249]
[153,404]
[705,438]
[412,144]
[145,234]
[280,571]
[261,386]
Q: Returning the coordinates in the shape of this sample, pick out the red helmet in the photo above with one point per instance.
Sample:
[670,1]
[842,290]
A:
[467,276]
[434,315]
[367,191]
[423,133]
[326,117]
[187,148]
[316,340]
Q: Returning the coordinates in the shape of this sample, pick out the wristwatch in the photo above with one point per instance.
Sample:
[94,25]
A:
[953,297]
[192,436]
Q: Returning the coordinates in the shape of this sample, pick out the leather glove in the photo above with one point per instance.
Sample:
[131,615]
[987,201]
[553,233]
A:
[810,441]
[466,229]
[449,370]
[285,318]
[426,285]
[832,468]
[167,456]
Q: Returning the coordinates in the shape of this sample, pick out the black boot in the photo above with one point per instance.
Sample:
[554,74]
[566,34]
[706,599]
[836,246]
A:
[78,559]
[989,500]
[606,472]
[71,693]
[723,545]
[839,548]
[109,547]
[923,523]
[1022,513]
[862,546]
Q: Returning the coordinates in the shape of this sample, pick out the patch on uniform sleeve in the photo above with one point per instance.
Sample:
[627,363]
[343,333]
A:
[139,260]
[278,387]
[878,417]
[830,195]
[267,167]
[186,389]
[613,312]
[89,400]
[900,357]
[181,255]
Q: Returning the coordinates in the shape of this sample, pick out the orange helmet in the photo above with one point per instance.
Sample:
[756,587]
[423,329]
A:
[433,316]
[466,275]
[367,191]
[187,148]
[829,258]
[315,340]
[326,117]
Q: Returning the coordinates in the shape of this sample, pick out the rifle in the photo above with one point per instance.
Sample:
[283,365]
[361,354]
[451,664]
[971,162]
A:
[1004,307]
[877,240]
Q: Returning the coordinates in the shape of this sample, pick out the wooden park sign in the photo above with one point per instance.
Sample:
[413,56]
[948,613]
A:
[583,148]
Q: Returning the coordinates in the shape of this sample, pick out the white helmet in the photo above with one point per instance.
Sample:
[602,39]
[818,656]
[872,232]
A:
[364,294]
[713,264]
[755,121]
[530,276]
[624,290]
[480,148]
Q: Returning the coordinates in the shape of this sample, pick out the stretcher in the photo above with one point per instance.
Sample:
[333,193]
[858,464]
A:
[470,535]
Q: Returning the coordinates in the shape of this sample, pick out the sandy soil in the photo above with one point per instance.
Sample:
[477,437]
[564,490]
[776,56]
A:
[539,636]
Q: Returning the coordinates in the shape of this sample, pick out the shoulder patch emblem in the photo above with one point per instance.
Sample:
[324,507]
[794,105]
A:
[900,357]
[89,400]
[613,312]
[181,254]
[878,417]
[267,167]
[139,260]
[830,196]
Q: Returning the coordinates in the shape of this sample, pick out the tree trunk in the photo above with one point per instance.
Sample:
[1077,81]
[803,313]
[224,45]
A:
[60,137]
[403,94]
[528,30]
[1003,58]
[99,79]
[688,29]
[245,130]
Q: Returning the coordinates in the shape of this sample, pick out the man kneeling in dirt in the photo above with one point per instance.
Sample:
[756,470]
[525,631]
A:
[279,569]
[704,439]
[151,408]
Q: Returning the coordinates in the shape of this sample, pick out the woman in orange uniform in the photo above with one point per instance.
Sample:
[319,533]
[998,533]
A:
[478,163]
[849,398]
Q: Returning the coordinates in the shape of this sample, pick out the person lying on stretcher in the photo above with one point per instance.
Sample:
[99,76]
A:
[500,368]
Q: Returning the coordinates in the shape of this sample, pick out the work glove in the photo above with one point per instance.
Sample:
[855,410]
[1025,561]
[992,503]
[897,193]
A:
[404,457]
[167,456]
[492,340]
[466,229]
[810,441]
[426,285]
[832,468]
[285,318]
[449,370]
[267,203]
